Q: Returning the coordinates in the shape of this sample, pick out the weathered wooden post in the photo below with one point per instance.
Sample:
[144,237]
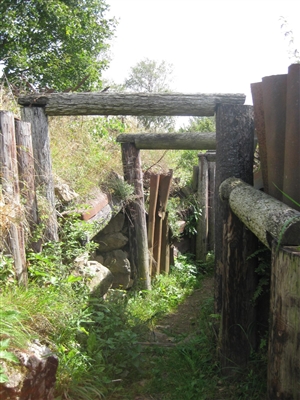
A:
[202,225]
[14,237]
[26,176]
[211,158]
[235,275]
[42,163]
[284,333]
[138,238]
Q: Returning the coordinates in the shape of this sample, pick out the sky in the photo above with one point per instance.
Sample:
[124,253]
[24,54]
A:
[215,46]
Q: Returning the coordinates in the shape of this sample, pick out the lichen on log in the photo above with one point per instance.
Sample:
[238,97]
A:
[265,216]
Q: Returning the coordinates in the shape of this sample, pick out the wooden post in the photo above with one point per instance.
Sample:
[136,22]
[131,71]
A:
[42,163]
[138,241]
[235,274]
[26,176]
[211,158]
[14,237]
[202,225]
[284,334]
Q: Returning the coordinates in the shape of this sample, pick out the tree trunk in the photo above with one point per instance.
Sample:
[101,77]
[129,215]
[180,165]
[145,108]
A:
[43,166]
[164,104]
[170,141]
[284,335]
[138,237]
[265,216]
[12,231]
[235,273]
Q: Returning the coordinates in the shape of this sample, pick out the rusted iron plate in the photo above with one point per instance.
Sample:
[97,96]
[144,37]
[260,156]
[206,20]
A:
[259,123]
[291,185]
[274,98]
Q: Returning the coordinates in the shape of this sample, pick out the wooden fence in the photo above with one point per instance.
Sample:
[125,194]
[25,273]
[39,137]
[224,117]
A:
[234,241]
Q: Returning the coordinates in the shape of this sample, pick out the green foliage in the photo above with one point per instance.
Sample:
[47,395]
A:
[293,52]
[90,151]
[54,44]
[7,270]
[6,356]
[263,270]
[52,265]
[151,77]
[199,124]
[167,292]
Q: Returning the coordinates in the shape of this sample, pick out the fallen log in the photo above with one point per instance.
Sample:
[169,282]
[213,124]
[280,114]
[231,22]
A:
[99,103]
[265,216]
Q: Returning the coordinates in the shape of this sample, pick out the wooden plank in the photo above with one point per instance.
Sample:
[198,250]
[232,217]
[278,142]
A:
[42,164]
[138,235]
[284,330]
[163,195]
[171,141]
[12,237]
[154,184]
[211,158]
[235,272]
[165,247]
[95,206]
[190,104]
[265,216]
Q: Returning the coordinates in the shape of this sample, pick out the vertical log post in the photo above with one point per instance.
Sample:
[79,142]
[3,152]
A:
[211,158]
[138,239]
[14,237]
[284,334]
[26,176]
[235,274]
[42,163]
[202,225]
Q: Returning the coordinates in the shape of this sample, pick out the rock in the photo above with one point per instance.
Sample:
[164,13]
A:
[119,265]
[100,278]
[63,191]
[34,378]
[115,225]
[110,242]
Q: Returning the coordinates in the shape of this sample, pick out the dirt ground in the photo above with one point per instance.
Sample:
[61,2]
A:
[182,322]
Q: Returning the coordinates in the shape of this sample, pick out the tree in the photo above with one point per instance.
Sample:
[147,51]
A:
[54,43]
[151,76]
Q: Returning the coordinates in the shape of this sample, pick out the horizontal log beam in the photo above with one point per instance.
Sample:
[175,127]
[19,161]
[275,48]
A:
[170,141]
[265,216]
[148,104]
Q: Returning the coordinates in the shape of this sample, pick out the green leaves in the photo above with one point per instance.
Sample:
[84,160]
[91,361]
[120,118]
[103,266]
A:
[54,44]
[6,356]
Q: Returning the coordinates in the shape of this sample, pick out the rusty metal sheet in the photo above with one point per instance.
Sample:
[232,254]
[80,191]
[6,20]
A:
[291,185]
[259,123]
[274,99]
